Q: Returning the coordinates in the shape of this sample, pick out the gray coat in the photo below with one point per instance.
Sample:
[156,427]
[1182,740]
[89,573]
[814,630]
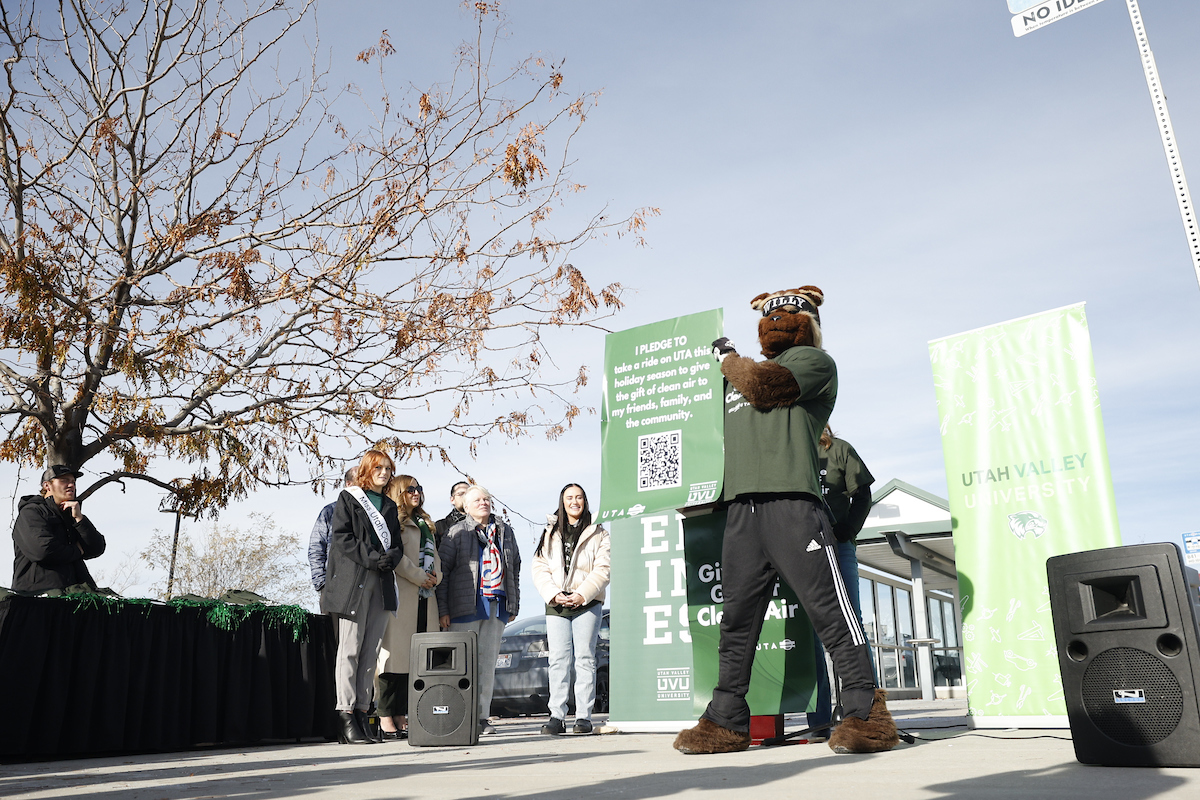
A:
[458,593]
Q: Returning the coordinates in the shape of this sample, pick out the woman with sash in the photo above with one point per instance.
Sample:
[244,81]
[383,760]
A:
[418,571]
[360,588]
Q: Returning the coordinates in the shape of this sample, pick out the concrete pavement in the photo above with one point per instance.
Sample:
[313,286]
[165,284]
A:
[947,761]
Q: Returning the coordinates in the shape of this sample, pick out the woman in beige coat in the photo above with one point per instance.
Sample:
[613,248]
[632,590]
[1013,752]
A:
[570,570]
[418,571]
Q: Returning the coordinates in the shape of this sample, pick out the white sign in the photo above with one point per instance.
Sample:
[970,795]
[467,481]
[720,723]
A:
[1017,6]
[1191,548]
[1042,14]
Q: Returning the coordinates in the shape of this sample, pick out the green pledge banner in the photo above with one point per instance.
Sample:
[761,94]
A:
[1028,477]
[650,667]
[661,427]
[661,417]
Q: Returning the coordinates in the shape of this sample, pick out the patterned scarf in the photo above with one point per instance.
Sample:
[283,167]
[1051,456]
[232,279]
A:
[427,550]
[491,563]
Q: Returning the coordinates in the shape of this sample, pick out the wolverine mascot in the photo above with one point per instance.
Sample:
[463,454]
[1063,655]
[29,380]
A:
[776,527]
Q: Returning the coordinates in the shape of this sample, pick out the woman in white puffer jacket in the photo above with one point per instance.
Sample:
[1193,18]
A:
[571,569]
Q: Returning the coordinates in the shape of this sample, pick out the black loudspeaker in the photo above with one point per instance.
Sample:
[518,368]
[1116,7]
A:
[443,695]
[1125,622]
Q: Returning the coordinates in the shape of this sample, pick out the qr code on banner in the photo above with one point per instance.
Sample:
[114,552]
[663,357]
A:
[660,460]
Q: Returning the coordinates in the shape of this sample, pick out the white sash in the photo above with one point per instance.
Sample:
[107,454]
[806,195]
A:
[377,521]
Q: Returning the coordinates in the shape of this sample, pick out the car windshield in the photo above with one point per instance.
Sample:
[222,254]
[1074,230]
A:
[536,626]
[526,627]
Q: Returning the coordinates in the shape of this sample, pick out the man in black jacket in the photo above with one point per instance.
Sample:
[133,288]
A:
[52,537]
[457,492]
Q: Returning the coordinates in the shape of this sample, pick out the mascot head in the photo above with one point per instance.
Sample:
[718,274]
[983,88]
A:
[789,319]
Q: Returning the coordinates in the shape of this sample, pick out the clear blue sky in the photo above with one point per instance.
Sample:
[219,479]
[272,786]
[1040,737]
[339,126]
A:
[928,170]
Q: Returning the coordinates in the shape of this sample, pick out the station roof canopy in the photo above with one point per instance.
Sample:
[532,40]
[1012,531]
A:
[918,524]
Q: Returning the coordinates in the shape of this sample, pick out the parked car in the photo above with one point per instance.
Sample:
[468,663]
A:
[523,669]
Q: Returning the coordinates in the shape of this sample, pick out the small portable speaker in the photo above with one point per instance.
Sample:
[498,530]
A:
[443,695]
[1129,653]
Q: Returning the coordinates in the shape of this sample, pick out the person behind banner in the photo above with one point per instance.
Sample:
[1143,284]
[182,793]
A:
[417,573]
[318,540]
[481,590]
[846,487]
[360,588]
[571,567]
[457,492]
[52,538]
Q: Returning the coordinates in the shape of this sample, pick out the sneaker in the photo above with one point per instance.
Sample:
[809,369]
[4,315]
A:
[485,727]
[582,726]
[554,727]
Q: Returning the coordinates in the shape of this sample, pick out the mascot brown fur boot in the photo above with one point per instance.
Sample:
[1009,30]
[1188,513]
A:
[709,737]
[874,734]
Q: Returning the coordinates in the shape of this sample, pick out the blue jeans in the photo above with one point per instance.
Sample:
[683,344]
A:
[573,638]
[848,566]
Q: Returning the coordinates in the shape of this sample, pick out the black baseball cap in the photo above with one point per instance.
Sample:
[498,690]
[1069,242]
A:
[58,470]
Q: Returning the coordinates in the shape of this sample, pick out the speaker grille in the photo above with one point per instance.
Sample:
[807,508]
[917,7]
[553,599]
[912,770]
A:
[435,699]
[1134,724]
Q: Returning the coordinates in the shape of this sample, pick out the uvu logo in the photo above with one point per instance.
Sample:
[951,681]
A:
[704,492]
[674,683]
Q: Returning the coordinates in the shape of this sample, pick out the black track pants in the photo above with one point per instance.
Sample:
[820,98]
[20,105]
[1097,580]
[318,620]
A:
[791,539]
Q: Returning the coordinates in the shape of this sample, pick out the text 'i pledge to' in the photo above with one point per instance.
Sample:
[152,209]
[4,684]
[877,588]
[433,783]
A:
[651,361]
[662,344]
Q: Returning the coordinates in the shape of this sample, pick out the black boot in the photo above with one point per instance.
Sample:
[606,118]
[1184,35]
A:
[364,724]
[349,732]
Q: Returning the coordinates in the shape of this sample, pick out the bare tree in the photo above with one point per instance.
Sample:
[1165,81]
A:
[119,578]
[261,559]
[208,264]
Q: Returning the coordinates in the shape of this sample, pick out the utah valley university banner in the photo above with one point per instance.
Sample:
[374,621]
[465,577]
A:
[1028,477]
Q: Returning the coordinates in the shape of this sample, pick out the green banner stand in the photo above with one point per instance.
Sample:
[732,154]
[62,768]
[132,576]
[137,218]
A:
[1028,476]
[650,650]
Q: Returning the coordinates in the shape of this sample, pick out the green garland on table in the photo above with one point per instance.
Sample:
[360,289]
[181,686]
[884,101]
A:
[223,615]
[230,616]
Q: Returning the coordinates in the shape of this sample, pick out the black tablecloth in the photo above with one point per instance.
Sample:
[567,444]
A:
[76,680]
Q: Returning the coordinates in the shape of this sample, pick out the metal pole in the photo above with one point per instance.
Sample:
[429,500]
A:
[1178,179]
[174,550]
[921,623]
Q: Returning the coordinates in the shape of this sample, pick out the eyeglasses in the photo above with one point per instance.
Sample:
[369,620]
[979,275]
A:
[414,489]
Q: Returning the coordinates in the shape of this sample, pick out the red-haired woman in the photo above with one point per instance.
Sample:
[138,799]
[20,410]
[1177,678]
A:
[360,588]
[419,570]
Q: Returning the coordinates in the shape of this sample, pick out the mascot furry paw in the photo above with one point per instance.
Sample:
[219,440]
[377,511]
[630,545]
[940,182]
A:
[709,737]
[875,734]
